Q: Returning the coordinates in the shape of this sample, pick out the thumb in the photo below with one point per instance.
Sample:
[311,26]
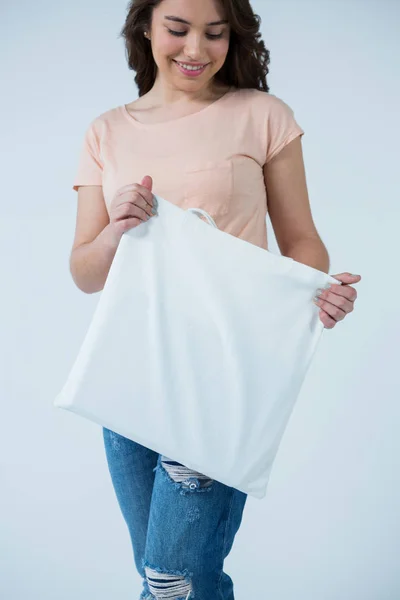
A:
[347,277]
[147,182]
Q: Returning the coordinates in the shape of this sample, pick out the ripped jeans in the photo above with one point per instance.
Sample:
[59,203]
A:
[182,524]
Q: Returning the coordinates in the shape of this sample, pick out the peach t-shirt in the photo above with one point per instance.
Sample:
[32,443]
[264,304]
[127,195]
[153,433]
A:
[212,159]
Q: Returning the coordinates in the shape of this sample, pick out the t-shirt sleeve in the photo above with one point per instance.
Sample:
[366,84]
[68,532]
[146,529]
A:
[282,127]
[90,165]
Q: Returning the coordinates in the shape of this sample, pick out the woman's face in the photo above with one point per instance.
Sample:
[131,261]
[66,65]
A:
[194,41]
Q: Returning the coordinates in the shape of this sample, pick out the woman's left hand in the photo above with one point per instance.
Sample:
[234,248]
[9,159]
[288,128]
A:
[337,301]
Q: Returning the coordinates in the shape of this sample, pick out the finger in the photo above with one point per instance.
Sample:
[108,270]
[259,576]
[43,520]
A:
[141,202]
[126,210]
[341,290]
[335,312]
[134,210]
[141,213]
[140,189]
[341,302]
[129,200]
[144,195]
[328,321]
[347,277]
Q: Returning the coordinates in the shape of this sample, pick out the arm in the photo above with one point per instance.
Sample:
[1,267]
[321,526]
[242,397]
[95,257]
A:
[289,208]
[95,243]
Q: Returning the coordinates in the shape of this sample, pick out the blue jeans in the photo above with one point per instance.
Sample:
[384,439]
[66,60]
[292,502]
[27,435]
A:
[182,524]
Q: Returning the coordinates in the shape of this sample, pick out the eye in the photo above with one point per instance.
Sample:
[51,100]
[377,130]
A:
[178,33]
[209,35]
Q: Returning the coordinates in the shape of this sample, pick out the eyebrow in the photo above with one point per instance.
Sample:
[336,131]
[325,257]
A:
[179,20]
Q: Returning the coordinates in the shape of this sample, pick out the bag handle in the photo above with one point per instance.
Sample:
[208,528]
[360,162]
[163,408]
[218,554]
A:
[205,214]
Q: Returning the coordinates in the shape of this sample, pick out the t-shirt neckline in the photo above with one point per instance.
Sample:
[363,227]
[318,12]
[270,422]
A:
[232,90]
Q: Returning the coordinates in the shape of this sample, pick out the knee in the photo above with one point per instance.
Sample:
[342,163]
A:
[167,584]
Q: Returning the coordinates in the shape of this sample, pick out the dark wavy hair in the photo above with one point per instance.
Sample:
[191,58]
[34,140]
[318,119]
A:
[246,64]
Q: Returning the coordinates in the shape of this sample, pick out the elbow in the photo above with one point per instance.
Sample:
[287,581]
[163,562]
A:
[79,284]
[82,283]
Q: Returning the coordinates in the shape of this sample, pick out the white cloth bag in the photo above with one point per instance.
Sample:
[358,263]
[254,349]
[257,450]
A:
[198,347]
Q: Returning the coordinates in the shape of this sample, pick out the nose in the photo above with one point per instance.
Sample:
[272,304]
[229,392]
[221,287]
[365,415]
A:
[194,46]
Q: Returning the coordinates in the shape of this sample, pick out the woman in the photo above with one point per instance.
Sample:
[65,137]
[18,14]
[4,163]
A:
[211,136]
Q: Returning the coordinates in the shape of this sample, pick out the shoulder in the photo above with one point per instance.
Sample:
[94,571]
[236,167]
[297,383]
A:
[263,101]
[101,124]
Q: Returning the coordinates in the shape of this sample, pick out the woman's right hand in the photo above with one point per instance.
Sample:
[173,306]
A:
[131,205]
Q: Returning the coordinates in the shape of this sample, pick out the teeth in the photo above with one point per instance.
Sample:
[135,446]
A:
[190,68]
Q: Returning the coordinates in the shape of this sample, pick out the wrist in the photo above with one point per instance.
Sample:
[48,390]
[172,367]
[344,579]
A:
[110,237]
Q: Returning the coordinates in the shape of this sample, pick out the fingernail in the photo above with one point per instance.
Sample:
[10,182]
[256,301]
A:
[153,210]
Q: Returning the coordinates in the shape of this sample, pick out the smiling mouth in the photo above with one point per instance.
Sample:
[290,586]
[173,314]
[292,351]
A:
[191,67]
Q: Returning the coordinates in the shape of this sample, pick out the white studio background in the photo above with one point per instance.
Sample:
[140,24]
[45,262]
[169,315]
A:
[329,526]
